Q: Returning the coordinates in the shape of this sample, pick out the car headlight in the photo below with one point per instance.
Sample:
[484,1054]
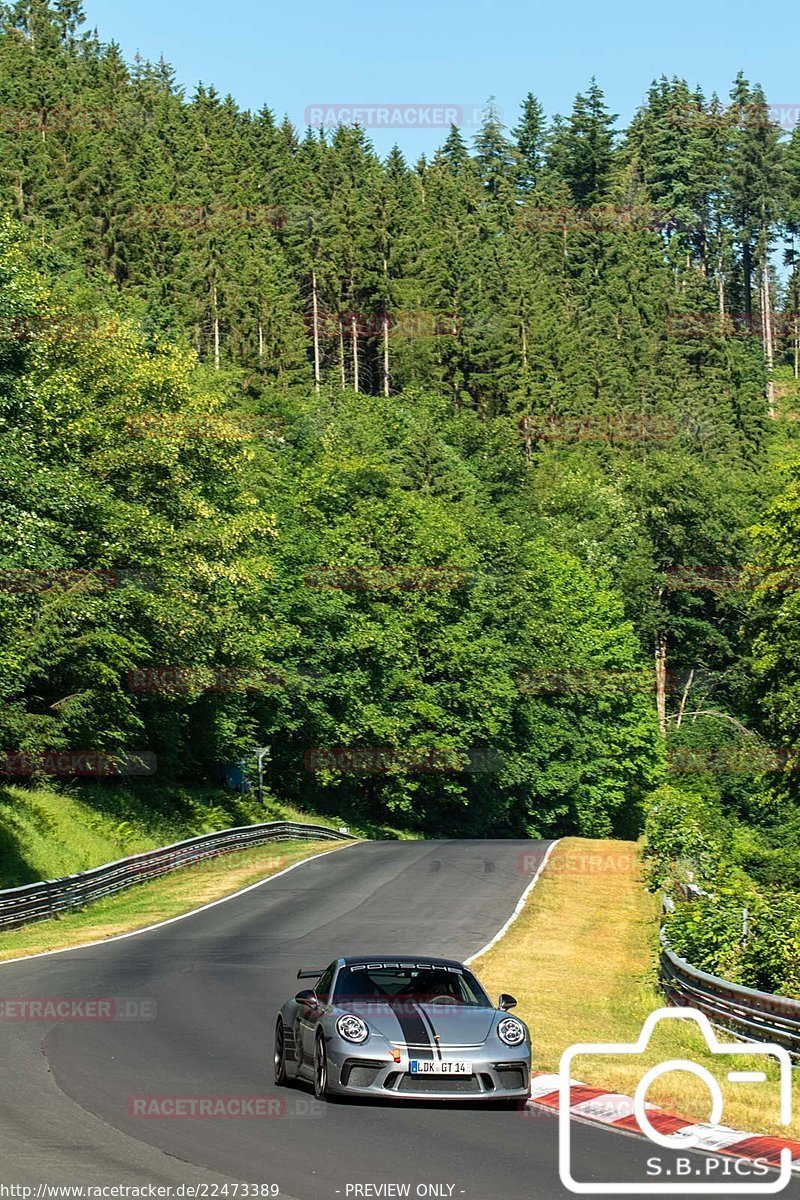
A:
[352,1029]
[511,1031]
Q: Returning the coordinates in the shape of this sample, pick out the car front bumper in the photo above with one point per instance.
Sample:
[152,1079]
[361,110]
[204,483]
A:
[504,1075]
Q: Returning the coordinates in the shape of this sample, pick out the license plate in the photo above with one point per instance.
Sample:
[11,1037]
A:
[422,1066]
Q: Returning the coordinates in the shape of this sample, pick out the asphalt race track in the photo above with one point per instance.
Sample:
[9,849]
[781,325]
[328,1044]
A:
[209,987]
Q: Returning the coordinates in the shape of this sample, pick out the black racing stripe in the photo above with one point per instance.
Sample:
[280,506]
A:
[431,1031]
[415,1031]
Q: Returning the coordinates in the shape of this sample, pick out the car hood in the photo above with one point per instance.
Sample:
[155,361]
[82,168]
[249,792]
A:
[415,1024]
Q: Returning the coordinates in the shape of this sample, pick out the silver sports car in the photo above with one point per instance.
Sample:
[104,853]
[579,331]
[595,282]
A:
[406,1028]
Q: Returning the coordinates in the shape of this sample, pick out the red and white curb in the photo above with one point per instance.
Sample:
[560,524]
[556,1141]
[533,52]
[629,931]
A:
[616,1112]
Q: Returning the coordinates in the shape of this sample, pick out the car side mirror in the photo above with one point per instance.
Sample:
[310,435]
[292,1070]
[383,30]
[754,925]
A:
[308,997]
[506,1002]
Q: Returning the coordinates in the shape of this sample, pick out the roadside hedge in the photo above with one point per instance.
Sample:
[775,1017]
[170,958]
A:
[724,920]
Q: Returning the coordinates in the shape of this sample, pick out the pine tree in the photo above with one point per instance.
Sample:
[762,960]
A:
[454,152]
[530,136]
[754,180]
[583,149]
[495,155]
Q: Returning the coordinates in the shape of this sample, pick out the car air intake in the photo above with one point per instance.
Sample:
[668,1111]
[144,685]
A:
[360,1073]
[511,1077]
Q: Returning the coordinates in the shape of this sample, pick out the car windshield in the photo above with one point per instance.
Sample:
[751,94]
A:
[408,983]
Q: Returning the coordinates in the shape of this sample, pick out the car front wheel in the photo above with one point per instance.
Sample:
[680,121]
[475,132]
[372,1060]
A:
[281,1077]
[321,1070]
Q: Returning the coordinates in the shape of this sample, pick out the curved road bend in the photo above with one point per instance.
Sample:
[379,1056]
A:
[215,981]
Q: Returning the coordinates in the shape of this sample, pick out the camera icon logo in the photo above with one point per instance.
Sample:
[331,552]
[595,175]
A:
[681,1141]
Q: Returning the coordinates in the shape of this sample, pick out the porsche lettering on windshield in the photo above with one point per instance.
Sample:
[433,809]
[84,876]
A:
[413,983]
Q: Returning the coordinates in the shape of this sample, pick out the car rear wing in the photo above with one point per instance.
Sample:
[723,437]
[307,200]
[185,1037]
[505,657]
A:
[311,974]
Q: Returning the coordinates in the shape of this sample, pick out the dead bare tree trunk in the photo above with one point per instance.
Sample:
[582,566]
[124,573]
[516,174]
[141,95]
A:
[767,335]
[260,340]
[747,268]
[684,697]
[385,327]
[385,352]
[525,434]
[215,314]
[661,680]
[342,376]
[315,322]
[795,320]
[354,337]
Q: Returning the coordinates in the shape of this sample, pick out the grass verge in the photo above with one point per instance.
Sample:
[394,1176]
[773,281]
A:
[148,903]
[581,961]
[47,831]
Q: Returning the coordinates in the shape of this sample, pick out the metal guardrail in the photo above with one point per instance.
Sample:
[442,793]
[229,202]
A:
[50,897]
[751,1015]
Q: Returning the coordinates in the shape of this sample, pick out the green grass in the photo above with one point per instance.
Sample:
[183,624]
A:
[47,832]
[581,959]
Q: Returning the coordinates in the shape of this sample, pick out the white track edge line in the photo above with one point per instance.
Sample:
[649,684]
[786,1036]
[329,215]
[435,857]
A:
[520,905]
[119,937]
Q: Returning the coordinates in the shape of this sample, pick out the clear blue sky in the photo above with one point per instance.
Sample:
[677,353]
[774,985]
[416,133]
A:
[425,52]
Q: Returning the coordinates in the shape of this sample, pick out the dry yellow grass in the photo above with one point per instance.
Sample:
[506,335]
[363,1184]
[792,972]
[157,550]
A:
[581,961]
[173,894]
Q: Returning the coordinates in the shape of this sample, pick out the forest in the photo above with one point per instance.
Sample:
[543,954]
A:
[469,486]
